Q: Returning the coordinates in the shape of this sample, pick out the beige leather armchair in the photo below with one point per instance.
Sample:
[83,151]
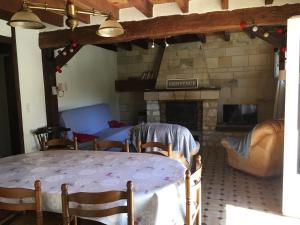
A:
[265,157]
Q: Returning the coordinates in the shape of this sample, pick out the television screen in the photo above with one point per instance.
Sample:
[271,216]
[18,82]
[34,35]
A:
[243,114]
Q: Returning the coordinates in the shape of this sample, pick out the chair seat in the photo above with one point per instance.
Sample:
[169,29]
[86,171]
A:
[29,218]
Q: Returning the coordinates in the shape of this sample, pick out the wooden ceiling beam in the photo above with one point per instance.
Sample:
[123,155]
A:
[141,43]
[275,39]
[226,36]
[201,37]
[175,25]
[225,4]
[100,5]
[183,5]
[144,6]
[110,47]
[12,6]
[268,2]
[125,46]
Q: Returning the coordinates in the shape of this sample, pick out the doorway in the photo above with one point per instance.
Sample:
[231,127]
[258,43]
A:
[11,129]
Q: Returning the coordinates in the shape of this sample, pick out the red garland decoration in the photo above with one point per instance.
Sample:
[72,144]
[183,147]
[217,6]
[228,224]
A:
[243,24]
[283,49]
[279,30]
[58,69]
[74,44]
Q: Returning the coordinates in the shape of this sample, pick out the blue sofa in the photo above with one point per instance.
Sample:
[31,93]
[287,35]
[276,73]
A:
[92,120]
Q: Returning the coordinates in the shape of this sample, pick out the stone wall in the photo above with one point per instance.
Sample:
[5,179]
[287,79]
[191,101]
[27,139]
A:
[242,67]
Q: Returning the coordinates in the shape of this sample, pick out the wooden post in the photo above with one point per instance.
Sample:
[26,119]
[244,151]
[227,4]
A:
[188,213]
[65,204]
[170,153]
[126,145]
[38,203]
[130,204]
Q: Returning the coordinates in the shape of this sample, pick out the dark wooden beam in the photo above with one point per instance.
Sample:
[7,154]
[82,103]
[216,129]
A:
[16,126]
[225,4]
[49,82]
[61,60]
[183,5]
[160,43]
[275,39]
[49,17]
[268,2]
[175,25]
[201,37]
[5,15]
[281,60]
[100,5]
[125,45]
[141,43]
[226,36]
[110,47]
[144,6]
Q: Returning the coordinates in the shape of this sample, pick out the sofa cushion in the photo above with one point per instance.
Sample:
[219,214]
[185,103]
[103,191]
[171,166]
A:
[87,120]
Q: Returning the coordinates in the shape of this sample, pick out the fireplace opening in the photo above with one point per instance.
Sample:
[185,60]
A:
[185,113]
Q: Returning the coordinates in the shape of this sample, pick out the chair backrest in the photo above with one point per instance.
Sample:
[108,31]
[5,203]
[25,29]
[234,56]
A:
[47,133]
[107,144]
[60,143]
[21,194]
[193,188]
[70,212]
[165,150]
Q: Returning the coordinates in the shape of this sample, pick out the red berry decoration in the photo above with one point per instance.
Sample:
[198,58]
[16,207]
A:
[74,45]
[243,24]
[58,69]
[279,30]
[283,49]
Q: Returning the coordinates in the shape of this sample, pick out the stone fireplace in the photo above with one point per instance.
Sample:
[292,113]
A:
[201,105]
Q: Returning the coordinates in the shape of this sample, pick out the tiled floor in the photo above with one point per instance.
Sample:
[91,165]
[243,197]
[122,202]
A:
[230,196]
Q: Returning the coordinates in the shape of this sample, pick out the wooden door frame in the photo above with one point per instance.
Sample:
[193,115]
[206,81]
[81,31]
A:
[17,135]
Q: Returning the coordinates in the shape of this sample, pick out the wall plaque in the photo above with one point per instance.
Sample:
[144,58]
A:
[182,83]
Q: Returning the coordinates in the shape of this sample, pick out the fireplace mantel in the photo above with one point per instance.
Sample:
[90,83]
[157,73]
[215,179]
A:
[198,94]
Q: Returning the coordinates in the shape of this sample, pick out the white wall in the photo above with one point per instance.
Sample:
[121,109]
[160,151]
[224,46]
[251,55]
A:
[5,30]
[90,79]
[31,85]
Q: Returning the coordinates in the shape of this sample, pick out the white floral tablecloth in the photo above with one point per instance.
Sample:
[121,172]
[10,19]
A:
[158,181]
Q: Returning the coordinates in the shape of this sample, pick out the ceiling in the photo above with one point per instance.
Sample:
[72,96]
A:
[129,10]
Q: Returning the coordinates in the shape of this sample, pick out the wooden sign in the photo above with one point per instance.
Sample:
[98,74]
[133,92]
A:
[182,83]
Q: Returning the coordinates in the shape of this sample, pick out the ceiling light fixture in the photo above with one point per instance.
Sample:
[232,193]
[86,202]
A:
[255,29]
[166,43]
[25,18]
[153,44]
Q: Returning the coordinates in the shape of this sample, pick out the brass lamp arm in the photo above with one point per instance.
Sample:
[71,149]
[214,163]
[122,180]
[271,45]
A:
[44,6]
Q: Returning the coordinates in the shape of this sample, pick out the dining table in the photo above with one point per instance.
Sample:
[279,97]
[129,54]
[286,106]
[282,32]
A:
[159,192]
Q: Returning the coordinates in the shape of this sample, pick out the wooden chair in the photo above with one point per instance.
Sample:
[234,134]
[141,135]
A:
[22,193]
[70,213]
[60,144]
[165,150]
[193,188]
[107,144]
[47,133]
